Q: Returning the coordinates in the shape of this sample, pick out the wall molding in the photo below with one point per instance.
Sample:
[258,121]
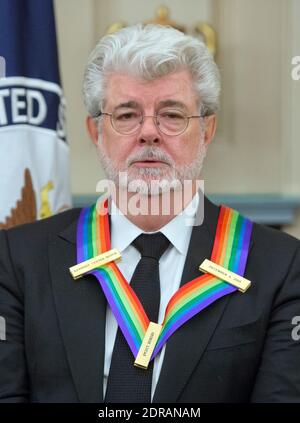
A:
[269,209]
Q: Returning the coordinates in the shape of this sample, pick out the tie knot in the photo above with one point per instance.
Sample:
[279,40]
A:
[151,245]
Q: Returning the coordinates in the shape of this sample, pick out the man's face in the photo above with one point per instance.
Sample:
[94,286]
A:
[149,154]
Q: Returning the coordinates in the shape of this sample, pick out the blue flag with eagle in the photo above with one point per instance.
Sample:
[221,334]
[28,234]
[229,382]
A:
[34,154]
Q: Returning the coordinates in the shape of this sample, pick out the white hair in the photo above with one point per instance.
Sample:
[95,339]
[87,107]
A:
[149,52]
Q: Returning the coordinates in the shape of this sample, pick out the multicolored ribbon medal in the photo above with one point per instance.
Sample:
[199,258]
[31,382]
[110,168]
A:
[230,250]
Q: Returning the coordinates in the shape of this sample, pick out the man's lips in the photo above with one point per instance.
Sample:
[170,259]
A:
[149,163]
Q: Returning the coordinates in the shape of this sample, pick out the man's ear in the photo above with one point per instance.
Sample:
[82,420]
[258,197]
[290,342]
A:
[210,128]
[92,128]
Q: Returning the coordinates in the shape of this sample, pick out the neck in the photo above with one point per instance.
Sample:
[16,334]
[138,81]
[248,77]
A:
[152,212]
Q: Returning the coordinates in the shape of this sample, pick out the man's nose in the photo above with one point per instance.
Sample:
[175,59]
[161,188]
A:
[149,133]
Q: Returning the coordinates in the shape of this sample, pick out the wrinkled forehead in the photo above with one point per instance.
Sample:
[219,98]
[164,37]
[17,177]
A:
[173,90]
[168,104]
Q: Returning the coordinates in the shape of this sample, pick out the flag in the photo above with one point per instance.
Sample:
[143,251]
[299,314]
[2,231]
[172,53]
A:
[34,154]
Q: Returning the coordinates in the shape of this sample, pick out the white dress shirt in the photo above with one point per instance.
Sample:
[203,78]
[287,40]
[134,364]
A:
[171,264]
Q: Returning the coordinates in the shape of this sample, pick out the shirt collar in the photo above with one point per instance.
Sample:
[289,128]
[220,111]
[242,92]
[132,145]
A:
[177,230]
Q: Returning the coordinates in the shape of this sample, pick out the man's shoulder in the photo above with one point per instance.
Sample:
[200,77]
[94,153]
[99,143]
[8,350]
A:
[268,245]
[270,238]
[266,239]
[273,250]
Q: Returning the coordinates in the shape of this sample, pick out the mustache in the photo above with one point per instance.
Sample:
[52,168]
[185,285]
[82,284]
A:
[150,153]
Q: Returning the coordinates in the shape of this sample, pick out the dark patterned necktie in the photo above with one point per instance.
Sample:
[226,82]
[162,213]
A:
[127,383]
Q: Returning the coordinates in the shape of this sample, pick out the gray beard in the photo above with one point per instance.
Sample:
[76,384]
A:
[151,180]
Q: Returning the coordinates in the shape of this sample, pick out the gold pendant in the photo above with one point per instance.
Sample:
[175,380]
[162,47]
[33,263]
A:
[86,266]
[221,273]
[148,345]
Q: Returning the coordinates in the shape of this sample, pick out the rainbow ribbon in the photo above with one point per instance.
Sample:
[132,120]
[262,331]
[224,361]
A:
[230,250]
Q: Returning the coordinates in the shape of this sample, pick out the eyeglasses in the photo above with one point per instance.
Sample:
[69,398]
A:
[169,122]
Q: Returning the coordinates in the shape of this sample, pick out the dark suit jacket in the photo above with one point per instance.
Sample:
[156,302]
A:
[239,349]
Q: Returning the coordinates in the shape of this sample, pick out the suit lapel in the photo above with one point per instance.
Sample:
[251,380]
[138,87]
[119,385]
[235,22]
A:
[81,309]
[187,345]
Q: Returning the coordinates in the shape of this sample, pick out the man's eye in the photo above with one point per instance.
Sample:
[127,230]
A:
[171,115]
[127,116]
